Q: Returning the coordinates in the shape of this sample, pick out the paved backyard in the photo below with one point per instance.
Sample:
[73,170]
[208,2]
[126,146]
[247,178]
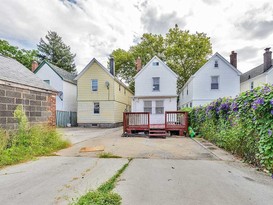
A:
[164,171]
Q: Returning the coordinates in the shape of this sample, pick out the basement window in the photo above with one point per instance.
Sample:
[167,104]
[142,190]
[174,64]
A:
[96,108]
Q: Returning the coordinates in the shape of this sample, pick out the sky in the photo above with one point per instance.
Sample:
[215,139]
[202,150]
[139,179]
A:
[94,28]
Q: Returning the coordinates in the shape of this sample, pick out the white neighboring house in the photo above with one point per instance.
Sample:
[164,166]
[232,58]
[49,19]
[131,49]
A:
[259,75]
[216,78]
[155,90]
[63,82]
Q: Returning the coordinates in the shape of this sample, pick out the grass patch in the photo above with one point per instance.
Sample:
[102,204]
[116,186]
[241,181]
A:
[104,195]
[108,155]
[28,142]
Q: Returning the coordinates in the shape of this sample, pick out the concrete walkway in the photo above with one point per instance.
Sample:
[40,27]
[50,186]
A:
[164,171]
[193,182]
[54,180]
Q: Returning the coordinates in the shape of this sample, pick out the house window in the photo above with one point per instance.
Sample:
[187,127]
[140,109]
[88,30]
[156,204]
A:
[216,64]
[252,85]
[214,82]
[190,104]
[47,81]
[96,108]
[159,107]
[155,63]
[156,84]
[61,95]
[148,106]
[94,85]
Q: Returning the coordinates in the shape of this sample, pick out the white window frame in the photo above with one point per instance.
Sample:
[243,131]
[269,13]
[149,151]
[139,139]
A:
[92,85]
[218,82]
[159,109]
[156,63]
[148,108]
[154,84]
[216,64]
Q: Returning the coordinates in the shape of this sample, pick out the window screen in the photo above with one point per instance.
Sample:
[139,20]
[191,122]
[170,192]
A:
[94,85]
[215,82]
[156,82]
[159,109]
[148,106]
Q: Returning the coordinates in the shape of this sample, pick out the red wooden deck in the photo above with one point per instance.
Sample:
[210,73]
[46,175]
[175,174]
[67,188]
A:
[134,122]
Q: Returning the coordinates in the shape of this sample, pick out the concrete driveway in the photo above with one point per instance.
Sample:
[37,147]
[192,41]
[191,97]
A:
[164,171]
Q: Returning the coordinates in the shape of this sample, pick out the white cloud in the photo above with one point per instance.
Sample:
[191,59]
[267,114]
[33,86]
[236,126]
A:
[93,28]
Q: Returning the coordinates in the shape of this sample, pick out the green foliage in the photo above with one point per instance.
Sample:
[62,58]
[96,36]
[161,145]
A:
[104,195]
[28,142]
[107,155]
[23,56]
[56,51]
[183,52]
[243,125]
[100,198]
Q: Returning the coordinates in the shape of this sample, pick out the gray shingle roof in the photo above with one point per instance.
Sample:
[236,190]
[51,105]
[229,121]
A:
[13,71]
[66,76]
[254,72]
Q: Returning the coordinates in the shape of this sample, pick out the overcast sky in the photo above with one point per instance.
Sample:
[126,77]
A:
[93,28]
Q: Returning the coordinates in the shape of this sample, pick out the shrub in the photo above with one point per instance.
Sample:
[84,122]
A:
[28,142]
[242,125]
[100,198]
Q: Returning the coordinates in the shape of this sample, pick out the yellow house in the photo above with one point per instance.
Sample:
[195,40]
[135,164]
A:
[101,97]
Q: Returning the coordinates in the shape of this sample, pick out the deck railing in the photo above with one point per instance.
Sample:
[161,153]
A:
[176,119]
[136,120]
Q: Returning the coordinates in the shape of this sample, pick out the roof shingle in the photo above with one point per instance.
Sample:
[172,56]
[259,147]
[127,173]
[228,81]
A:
[13,71]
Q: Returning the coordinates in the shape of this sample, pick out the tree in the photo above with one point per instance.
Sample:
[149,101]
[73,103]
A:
[23,56]
[183,52]
[56,51]
[149,46]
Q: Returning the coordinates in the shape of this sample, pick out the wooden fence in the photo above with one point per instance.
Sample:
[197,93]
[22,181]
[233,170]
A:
[65,117]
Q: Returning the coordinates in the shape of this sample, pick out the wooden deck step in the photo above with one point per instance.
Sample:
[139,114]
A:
[157,133]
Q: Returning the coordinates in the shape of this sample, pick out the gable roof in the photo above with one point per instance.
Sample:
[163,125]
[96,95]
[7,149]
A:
[63,74]
[219,56]
[13,71]
[147,65]
[254,72]
[94,60]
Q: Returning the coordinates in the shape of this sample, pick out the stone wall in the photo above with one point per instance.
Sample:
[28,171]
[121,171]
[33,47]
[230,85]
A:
[39,105]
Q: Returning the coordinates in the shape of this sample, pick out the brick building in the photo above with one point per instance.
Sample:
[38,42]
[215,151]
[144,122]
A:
[18,85]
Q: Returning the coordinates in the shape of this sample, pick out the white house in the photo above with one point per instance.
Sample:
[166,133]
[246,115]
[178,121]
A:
[155,90]
[216,78]
[259,75]
[62,81]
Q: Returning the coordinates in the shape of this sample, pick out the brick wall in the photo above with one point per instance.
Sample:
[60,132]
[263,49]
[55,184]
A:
[39,105]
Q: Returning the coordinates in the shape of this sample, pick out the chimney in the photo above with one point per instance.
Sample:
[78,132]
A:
[112,65]
[233,59]
[138,64]
[267,59]
[34,65]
